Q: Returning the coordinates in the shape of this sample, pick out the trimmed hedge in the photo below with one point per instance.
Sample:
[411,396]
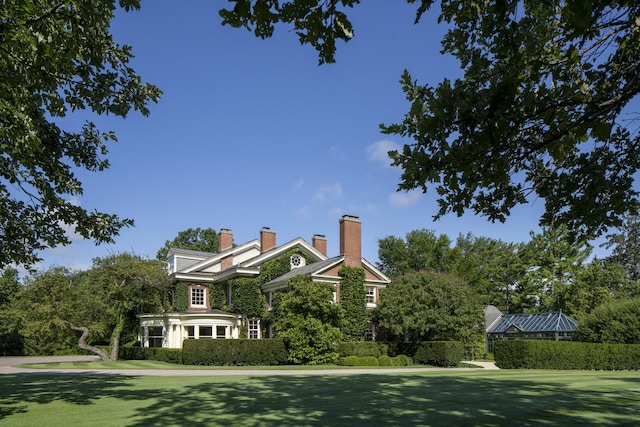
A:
[362,348]
[436,353]
[538,354]
[169,355]
[439,353]
[240,352]
[401,360]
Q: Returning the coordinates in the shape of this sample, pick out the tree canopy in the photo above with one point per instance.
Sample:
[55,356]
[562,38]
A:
[420,250]
[430,306]
[538,113]
[56,58]
[100,303]
[308,321]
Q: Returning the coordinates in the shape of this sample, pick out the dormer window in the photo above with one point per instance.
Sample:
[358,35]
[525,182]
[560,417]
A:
[297,261]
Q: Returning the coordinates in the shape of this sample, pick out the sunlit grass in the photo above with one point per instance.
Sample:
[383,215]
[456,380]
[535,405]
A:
[473,397]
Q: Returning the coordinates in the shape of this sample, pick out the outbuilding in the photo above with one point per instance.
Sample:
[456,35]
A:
[530,326]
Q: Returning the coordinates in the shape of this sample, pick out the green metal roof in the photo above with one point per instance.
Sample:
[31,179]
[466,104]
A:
[536,322]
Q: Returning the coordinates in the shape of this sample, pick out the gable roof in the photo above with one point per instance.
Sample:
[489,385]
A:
[535,322]
[247,259]
[322,272]
[307,270]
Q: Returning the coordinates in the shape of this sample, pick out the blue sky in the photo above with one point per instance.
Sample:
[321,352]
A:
[252,133]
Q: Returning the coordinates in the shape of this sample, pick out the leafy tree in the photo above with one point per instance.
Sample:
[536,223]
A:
[197,239]
[57,57]
[127,284]
[11,342]
[616,322]
[100,304]
[596,283]
[537,114]
[430,306]
[9,285]
[553,259]
[626,246]
[38,310]
[309,322]
[492,267]
[422,250]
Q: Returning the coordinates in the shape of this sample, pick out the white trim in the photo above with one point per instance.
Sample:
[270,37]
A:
[299,242]
[253,244]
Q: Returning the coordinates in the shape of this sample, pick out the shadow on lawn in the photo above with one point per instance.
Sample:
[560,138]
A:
[332,399]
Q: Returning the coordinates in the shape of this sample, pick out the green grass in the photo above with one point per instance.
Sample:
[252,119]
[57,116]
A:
[473,397]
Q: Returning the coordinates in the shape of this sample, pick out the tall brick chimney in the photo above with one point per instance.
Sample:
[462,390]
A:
[351,240]
[267,239]
[320,243]
[225,241]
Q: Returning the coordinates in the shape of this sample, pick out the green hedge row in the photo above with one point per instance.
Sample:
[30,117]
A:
[362,349]
[435,353]
[533,354]
[169,355]
[400,360]
[241,352]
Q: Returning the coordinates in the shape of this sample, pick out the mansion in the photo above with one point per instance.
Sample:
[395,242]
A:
[211,300]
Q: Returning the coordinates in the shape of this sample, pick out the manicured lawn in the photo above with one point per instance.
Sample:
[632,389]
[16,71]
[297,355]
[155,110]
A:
[475,397]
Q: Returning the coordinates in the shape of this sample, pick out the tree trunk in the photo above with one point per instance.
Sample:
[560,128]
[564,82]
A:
[115,338]
[82,341]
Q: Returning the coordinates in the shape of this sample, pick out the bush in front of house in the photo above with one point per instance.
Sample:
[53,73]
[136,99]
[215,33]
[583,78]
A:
[169,355]
[401,360]
[435,353]
[534,354]
[385,361]
[362,348]
[439,353]
[238,352]
[368,361]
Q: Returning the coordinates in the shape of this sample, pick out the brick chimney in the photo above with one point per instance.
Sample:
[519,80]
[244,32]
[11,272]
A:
[225,241]
[320,243]
[267,239]
[351,240]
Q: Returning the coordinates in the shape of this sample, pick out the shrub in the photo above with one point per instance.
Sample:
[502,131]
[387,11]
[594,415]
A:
[385,361]
[348,361]
[362,348]
[439,353]
[368,361]
[523,354]
[239,352]
[169,355]
[401,360]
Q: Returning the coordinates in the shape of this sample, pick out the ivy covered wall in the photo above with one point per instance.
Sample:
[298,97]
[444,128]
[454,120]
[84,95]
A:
[353,301]
[246,297]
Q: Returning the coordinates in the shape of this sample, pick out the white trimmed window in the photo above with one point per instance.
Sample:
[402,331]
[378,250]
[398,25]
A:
[155,336]
[254,329]
[221,332]
[371,295]
[198,297]
[190,332]
[205,332]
